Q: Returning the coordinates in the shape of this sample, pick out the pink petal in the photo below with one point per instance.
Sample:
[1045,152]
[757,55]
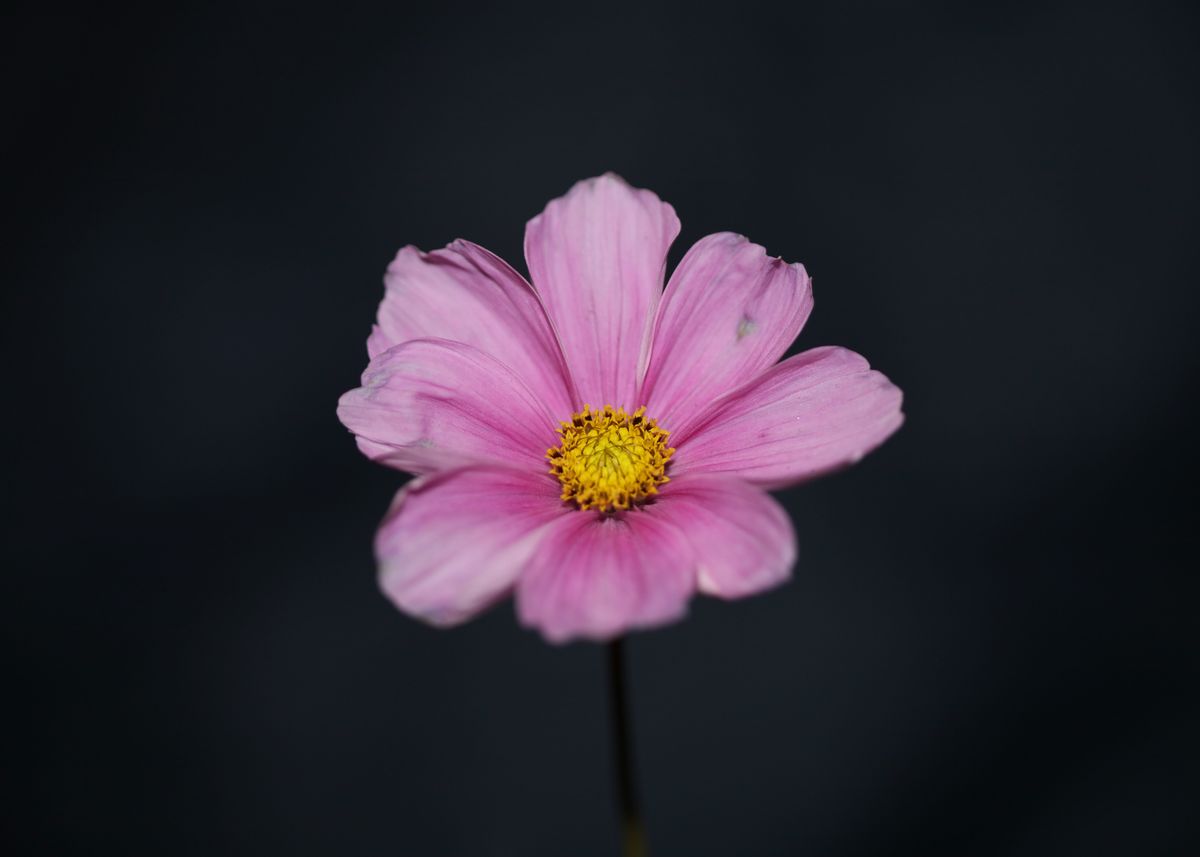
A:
[810,414]
[597,576]
[432,404]
[467,294]
[743,540]
[454,543]
[729,312]
[597,258]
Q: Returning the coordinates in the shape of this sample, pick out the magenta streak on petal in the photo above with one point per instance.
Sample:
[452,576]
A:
[454,543]
[433,404]
[467,294]
[813,413]
[729,313]
[596,577]
[597,258]
[743,539]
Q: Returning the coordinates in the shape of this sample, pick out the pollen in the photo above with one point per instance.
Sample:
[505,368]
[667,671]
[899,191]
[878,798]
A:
[610,460]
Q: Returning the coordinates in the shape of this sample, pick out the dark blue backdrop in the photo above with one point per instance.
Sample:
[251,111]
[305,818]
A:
[989,645]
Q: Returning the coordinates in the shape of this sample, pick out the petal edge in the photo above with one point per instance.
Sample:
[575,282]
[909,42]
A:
[597,257]
[729,312]
[812,414]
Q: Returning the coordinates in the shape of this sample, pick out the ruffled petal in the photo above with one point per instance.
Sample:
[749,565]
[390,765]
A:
[597,577]
[729,313]
[467,294]
[743,540]
[597,258]
[453,544]
[810,414]
[432,404]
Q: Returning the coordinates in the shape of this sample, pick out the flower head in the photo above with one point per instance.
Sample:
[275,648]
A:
[592,442]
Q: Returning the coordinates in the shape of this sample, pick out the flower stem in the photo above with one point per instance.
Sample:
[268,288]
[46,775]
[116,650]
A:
[632,834]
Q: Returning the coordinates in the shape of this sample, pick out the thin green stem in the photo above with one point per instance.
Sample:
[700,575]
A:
[633,836]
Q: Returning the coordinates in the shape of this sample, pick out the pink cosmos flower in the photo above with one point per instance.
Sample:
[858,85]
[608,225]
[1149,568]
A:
[594,443]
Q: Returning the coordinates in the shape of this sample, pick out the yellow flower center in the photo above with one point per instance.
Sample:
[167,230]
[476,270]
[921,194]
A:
[608,459]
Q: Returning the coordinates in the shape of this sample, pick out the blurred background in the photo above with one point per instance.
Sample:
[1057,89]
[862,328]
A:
[989,645]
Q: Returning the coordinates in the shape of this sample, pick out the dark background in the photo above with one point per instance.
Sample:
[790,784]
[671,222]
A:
[988,647]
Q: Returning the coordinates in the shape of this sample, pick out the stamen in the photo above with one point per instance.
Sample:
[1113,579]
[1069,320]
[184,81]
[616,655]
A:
[610,460]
